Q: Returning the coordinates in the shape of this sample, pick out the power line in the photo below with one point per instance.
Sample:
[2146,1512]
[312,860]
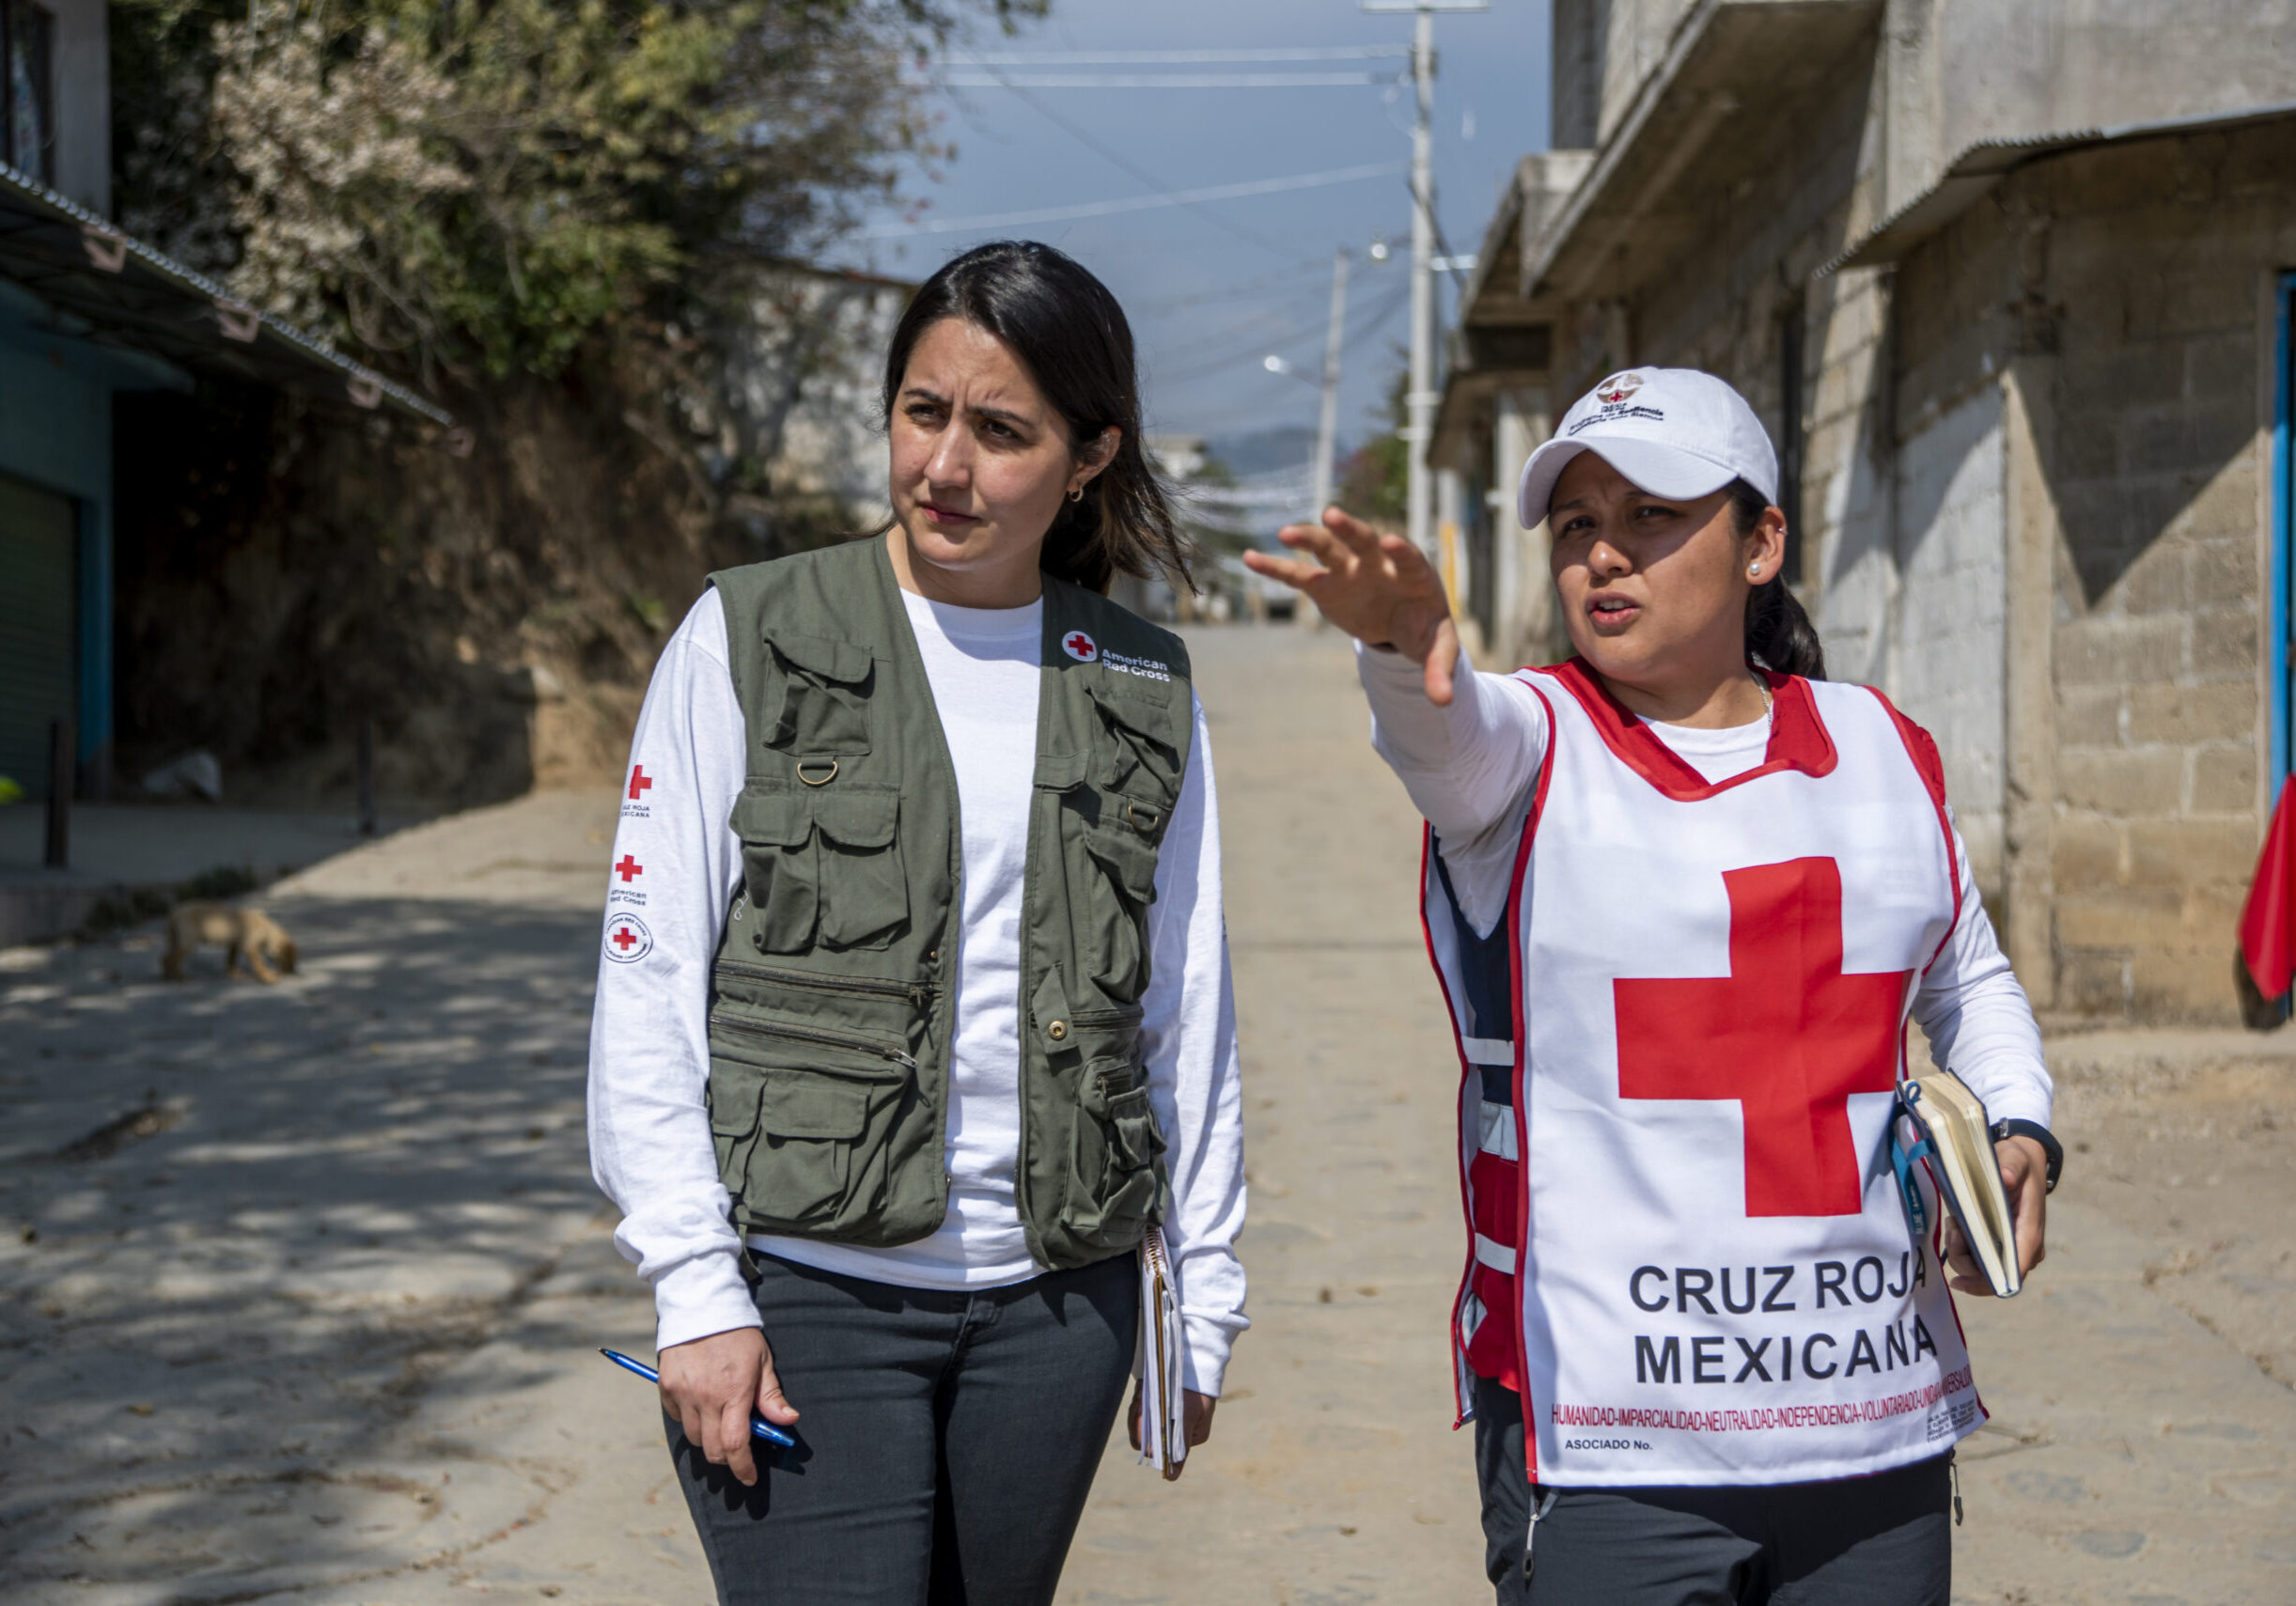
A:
[1289,281]
[1181,57]
[1376,314]
[1136,203]
[959,79]
[1131,169]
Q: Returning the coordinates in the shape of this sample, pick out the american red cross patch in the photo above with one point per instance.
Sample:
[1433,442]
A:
[628,941]
[1080,647]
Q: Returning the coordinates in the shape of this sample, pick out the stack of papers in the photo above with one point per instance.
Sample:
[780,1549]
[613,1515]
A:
[1164,1433]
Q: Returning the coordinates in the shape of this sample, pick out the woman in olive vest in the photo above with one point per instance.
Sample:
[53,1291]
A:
[913,1011]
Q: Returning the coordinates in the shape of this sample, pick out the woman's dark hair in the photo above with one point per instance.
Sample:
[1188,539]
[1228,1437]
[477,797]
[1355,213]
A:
[1072,336]
[1779,634]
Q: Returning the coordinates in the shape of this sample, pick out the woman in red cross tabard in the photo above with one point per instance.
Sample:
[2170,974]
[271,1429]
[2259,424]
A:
[1683,894]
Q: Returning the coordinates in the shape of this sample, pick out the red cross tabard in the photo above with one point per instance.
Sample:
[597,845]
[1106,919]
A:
[628,869]
[1785,1034]
[639,781]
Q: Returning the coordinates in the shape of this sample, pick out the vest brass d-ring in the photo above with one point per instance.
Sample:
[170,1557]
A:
[802,763]
[1142,820]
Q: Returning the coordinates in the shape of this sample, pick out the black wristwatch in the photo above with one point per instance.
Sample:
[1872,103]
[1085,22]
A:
[2003,1131]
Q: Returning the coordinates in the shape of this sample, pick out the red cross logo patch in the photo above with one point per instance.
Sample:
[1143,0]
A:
[639,781]
[629,869]
[1080,647]
[1616,388]
[1786,1034]
[627,940]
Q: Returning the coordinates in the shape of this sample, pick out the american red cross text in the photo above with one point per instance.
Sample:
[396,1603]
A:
[639,781]
[628,868]
[1786,1034]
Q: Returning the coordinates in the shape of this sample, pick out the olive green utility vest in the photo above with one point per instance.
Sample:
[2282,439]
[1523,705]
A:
[832,1001]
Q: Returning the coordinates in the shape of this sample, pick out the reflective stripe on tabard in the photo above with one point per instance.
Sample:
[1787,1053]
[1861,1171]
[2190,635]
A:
[1489,1050]
[1498,1130]
[1494,1253]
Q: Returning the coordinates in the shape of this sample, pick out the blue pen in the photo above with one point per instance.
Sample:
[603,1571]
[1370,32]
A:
[758,1425]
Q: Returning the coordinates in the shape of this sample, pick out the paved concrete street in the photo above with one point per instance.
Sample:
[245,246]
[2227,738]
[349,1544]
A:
[302,1285]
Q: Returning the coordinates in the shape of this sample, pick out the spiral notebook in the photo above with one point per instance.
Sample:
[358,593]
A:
[1163,1434]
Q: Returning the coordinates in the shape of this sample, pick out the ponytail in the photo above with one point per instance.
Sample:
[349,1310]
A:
[1779,635]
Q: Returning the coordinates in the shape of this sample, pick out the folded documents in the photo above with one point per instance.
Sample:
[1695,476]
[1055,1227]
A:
[1163,1423]
[1953,1135]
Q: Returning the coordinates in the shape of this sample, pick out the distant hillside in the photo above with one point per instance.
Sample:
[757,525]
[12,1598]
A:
[1264,451]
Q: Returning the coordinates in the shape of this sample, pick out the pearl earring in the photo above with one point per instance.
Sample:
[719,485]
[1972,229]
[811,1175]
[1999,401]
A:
[1754,571]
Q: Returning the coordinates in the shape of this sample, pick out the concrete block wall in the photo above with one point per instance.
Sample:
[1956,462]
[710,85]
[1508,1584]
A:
[1816,190]
[1947,668]
[2145,266]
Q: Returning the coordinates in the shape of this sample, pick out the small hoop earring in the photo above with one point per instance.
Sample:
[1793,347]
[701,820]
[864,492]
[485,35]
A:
[1077,495]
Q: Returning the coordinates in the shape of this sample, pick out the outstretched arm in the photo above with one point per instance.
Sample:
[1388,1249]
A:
[1467,746]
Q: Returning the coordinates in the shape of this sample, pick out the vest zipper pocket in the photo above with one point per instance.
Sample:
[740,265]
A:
[1100,1020]
[852,1041]
[917,993]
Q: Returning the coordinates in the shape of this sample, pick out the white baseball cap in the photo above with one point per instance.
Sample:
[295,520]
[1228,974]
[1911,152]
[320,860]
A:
[1673,432]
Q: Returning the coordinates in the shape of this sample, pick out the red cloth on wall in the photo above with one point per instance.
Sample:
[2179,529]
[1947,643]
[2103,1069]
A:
[2267,923]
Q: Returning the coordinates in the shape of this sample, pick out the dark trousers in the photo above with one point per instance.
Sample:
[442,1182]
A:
[945,1442]
[1872,1541]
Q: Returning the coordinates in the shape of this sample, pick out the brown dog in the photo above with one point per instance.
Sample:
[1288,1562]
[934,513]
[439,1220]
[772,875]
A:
[240,931]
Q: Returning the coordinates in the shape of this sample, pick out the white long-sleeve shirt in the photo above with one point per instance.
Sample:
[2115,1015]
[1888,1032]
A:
[1471,770]
[677,866]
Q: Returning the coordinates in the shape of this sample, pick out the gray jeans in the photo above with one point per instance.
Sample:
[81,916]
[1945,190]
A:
[945,1445]
[1870,1541]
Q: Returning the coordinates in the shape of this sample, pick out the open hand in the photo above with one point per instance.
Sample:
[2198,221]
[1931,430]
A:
[711,1384]
[1195,1417]
[2024,1177]
[1378,589]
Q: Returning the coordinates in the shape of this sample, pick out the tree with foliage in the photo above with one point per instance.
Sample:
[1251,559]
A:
[468,191]
[1373,480]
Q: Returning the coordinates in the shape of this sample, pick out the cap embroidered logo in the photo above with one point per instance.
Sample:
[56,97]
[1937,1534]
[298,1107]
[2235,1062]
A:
[627,940]
[1080,647]
[1618,388]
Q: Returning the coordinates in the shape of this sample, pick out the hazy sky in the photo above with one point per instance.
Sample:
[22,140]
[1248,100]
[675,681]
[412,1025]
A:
[1206,304]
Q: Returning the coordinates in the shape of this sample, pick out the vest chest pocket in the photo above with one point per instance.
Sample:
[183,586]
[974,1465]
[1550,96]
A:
[1116,1182]
[823,866]
[803,1119]
[1113,926]
[823,690]
[1130,752]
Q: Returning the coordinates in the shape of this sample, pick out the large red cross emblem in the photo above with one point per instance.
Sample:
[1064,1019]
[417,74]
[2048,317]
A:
[639,781]
[1786,1034]
[629,867]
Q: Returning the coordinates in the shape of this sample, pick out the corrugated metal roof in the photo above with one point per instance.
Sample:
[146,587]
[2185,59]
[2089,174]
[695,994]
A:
[86,267]
[1984,164]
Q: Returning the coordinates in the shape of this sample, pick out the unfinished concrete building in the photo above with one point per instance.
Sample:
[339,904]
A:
[2011,286]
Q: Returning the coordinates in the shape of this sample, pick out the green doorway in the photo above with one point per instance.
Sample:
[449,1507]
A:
[39,643]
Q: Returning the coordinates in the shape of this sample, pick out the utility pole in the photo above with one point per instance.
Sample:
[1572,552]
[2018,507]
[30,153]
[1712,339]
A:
[1420,399]
[1327,428]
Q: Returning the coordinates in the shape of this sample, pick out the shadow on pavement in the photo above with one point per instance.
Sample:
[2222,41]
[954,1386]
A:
[219,1335]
